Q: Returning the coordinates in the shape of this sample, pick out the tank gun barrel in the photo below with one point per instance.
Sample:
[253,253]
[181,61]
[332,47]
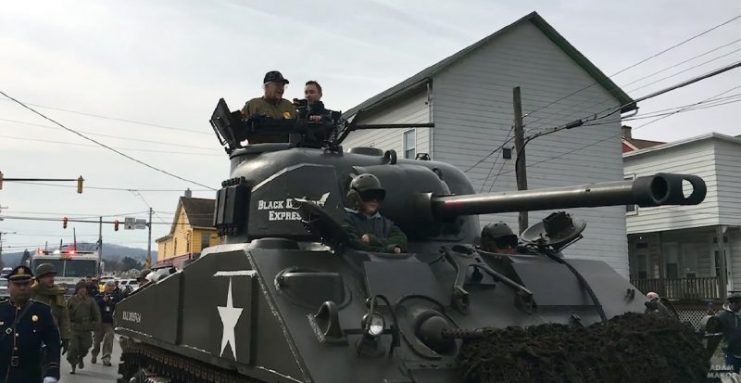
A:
[657,190]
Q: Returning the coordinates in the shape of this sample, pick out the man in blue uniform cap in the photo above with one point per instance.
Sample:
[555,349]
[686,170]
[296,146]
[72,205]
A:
[26,325]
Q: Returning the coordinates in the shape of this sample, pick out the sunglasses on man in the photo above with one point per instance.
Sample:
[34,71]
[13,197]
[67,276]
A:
[372,195]
[506,241]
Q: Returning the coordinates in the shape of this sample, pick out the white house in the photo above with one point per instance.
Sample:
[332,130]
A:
[468,96]
[689,252]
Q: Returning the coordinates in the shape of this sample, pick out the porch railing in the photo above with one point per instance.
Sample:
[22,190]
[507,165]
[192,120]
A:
[681,288]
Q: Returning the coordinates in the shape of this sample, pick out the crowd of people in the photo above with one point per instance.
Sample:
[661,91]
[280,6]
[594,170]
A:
[39,324]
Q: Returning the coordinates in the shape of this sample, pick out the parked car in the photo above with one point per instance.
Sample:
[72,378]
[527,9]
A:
[132,284]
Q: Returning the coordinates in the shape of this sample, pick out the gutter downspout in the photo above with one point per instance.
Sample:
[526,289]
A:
[728,259]
[431,114]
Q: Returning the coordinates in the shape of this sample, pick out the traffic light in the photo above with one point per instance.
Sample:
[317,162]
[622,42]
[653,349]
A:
[79,184]
[64,222]
[1,180]
[115,225]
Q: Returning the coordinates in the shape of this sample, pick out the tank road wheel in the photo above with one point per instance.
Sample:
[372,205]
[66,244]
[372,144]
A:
[145,376]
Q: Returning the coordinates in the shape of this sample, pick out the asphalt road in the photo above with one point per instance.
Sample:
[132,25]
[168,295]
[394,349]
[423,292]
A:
[93,373]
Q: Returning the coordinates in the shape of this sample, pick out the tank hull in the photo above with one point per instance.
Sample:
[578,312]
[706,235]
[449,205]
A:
[246,309]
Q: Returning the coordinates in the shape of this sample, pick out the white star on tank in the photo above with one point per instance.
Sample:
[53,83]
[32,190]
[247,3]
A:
[229,317]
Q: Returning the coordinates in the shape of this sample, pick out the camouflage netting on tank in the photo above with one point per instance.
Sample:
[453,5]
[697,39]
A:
[628,348]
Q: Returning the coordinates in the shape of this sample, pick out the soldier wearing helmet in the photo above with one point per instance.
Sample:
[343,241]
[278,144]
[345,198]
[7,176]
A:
[46,291]
[498,238]
[85,318]
[367,228]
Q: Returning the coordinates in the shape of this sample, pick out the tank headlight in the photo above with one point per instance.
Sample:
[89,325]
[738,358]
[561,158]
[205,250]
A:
[374,324]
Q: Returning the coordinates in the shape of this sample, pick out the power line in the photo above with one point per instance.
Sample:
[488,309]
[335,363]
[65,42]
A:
[618,135]
[111,135]
[137,194]
[96,146]
[123,189]
[682,62]
[153,125]
[73,220]
[78,215]
[612,110]
[596,116]
[483,185]
[631,66]
[685,70]
[499,172]
[104,145]
[498,148]
[636,101]
[685,108]
[678,44]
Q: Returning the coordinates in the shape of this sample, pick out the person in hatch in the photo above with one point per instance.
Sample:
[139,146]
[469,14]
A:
[367,228]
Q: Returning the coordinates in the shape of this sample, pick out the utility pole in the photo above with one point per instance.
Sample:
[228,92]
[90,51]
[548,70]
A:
[1,249]
[149,241]
[100,242]
[520,169]
[1,245]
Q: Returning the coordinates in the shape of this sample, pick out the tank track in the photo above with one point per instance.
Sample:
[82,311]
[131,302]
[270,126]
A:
[144,363]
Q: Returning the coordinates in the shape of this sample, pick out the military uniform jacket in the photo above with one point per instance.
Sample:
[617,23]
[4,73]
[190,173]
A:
[259,106]
[20,348]
[83,313]
[54,297]
[284,109]
[384,234]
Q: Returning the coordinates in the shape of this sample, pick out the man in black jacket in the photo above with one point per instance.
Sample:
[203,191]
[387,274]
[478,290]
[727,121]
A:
[731,328]
[107,303]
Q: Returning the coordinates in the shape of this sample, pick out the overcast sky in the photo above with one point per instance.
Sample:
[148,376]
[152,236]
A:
[166,63]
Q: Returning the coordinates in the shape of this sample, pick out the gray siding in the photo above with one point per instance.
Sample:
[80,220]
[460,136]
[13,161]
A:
[728,170]
[472,110]
[412,109]
[693,158]
[733,252]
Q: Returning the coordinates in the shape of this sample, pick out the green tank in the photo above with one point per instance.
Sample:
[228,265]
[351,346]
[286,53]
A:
[284,299]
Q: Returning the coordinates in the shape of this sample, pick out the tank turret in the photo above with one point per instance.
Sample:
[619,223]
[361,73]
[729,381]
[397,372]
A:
[283,299]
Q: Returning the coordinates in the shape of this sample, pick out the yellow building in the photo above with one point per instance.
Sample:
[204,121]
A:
[192,231]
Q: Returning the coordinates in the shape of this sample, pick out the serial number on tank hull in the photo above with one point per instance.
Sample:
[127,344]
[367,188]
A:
[131,316]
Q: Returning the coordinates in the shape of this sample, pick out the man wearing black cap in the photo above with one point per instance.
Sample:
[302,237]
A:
[731,328]
[26,325]
[271,104]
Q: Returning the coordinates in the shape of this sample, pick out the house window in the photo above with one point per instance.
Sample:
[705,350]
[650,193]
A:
[410,144]
[630,209]
[642,266]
